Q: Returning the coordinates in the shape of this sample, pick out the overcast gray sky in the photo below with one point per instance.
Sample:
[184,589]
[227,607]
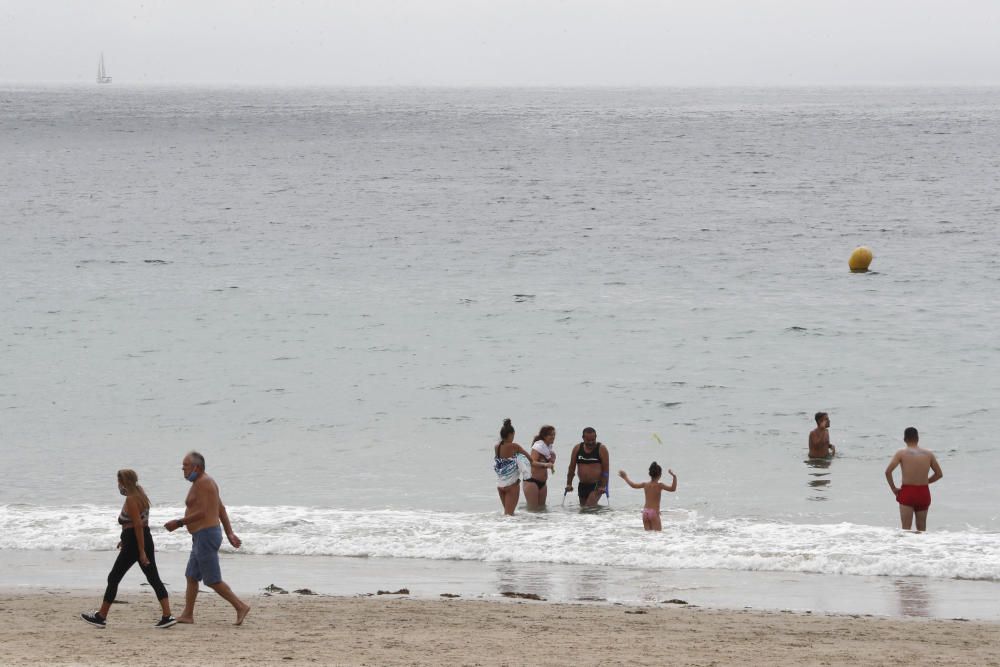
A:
[503,42]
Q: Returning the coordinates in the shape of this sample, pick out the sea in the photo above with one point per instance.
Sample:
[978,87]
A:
[338,294]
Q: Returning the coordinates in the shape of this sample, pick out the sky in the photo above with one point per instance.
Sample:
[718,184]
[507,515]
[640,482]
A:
[503,42]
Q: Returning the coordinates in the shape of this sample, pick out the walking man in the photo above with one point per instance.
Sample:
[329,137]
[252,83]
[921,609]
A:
[205,517]
[914,496]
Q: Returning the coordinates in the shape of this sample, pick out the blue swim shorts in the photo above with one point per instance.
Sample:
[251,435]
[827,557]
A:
[203,564]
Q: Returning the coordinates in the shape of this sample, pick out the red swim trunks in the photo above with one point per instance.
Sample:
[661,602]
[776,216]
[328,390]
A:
[917,497]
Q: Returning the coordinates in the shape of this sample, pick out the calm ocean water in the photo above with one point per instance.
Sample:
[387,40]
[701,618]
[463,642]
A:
[338,295]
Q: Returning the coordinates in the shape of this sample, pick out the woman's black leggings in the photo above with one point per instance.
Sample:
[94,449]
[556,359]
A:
[129,556]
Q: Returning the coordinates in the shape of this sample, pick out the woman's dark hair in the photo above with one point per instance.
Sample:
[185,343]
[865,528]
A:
[506,430]
[655,470]
[543,433]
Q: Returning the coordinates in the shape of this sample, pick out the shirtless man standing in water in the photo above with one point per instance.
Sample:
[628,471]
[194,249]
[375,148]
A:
[819,438]
[590,458]
[914,497]
[203,515]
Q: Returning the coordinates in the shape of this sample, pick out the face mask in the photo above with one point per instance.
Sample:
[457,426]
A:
[193,476]
[121,490]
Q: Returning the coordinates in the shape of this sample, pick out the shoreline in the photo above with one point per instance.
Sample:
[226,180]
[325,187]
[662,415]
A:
[84,572]
[43,628]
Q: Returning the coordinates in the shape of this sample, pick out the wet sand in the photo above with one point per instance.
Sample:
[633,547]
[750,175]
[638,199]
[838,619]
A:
[42,627]
[916,597]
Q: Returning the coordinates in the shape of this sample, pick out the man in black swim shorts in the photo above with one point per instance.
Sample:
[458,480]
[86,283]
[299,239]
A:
[591,461]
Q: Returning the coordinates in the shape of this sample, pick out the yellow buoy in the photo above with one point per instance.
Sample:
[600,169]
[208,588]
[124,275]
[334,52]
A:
[860,259]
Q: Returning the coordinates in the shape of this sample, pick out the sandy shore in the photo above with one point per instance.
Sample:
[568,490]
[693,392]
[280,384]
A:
[43,628]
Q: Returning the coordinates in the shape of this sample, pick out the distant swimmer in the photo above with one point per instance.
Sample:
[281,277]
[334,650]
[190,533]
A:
[591,459]
[205,518]
[914,496]
[543,459]
[819,438]
[506,467]
[135,546]
[654,489]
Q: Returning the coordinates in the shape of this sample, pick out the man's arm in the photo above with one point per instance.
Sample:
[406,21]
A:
[829,445]
[572,469]
[605,469]
[936,467]
[194,512]
[888,473]
[224,518]
[197,510]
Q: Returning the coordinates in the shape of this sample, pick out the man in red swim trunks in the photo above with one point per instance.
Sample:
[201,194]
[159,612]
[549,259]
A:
[914,497]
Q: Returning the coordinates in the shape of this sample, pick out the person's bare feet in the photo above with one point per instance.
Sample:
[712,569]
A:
[242,614]
[185,619]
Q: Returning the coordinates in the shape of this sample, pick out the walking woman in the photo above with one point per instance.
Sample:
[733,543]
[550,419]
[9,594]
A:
[506,467]
[136,546]
[543,459]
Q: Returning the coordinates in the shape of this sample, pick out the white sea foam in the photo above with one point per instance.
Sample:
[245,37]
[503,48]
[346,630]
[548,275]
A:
[612,538]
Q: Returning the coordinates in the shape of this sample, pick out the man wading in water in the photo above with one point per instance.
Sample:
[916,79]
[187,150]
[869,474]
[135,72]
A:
[819,439]
[914,496]
[591,459]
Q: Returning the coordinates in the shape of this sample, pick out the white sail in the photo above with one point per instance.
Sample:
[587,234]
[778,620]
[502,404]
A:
[102,75]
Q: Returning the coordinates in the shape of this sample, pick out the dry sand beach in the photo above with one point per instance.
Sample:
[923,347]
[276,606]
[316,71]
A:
[42,628]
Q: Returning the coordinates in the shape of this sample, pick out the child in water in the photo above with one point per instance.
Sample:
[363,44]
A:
[653,488]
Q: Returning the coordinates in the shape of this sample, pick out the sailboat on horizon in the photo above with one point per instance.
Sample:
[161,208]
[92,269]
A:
[102,74]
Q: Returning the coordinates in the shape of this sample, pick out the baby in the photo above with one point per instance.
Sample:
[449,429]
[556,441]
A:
[653,488]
